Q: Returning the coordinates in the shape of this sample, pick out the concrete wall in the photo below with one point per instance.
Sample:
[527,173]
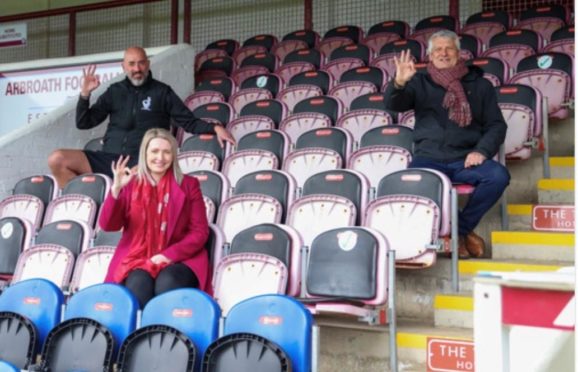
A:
[24,152]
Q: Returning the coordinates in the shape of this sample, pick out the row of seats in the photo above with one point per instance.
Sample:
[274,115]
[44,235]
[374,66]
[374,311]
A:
[99,328]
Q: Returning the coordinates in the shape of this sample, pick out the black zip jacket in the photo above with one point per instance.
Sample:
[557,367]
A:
[435,135]
[134,110]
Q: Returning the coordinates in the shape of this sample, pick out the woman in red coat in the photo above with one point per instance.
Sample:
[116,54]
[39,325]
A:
[162,215]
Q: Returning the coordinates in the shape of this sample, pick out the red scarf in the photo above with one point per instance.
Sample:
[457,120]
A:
[149,216]
[455,100]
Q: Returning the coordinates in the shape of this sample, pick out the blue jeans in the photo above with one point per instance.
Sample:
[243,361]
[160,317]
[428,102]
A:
[490,179]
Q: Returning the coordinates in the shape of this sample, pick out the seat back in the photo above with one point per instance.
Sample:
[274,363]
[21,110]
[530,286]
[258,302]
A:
[438,21]
[202,98]
[111,305]
[416,49]
[8,367]
[280,319]
[269,82]
[91,267]
[376,162]
[244,275]
[400,28]
[373,75]
[15,237]
[248,95]
[544,26]
[297,124]
[73,235]
[42,186]
[319,79]
[267,60]
[223,85]
[280,241]
[358,122]
[270,108]
[328,45]
[265,40]
[246,161]
[242,211]
[337,67]
[484,31]
[497,16]
[346,92]
[45,261]
[374,101]
[292,95]
[358,51]
[213,185]
[223,64]
[354,33]
[391,135]
[72,207]
[249,124]
[278,184]
[191,311]
[25,207]
[305,162]
[106,238]
[309,36]
[554,11]
[280,50]
[271,140]
[470,46]
[38,300]
[204,142]
[495,70]
[207,54]
[290,69]
[228,45]
[246,51]
[17,340]
[333,138]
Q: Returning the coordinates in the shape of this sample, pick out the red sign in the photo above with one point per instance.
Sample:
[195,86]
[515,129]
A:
[553,218]
[446,355]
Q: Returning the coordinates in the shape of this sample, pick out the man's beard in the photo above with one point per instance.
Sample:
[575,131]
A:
[138,82]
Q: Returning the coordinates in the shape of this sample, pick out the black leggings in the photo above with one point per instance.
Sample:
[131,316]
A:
[174,276]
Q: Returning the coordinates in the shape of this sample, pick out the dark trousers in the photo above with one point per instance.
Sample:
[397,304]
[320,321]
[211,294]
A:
[490,179]
[174,276]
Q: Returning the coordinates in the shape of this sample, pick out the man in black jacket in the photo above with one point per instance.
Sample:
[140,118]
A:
[134,105]
[458,128]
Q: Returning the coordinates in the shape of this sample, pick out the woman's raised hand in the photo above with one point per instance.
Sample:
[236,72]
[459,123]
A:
[404,68]
[122,175]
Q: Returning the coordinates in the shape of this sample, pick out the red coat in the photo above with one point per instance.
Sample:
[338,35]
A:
[187,229]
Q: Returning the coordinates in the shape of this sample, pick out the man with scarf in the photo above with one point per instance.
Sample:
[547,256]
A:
[458,129]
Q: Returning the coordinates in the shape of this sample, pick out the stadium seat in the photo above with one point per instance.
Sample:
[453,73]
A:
[495,70]
[224,65]
[213,185]
[358,51]
[373,75]
[385,32]
[513,46]
[543,19]
[45,261]
[374,101]
[219,111]
[305,162]
[470,46]
[281,49]
[223,85]
[106,238]
[357,122]
[243,73]
[42,186]
[270,108]
[75,207]
[214,245]
[332,138]
[494,16]
[309,36]
[91,267]
[207,143]
[210,209]
[385,58]
[228,45]
[17,341]
[71,234]
[347,91]
[246,124]
[271,140]
[203,97]
[312,56]
[26,207]
[319,79]
[243,162]
[288,70]
[280,319]
[16,237]
[329,106]
[337,67]
[248,95]
[192,161]
[267,60]
[294,94]
[207,54]
[266,40]
[270,82]
[246,51]
[428,26]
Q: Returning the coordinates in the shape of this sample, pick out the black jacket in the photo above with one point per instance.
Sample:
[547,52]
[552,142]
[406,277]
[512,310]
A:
[435,135]
[134,110]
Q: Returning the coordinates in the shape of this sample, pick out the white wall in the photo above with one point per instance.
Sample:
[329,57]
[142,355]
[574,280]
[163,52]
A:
[24,152]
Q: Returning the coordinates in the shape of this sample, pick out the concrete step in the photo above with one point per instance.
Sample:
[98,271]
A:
[533,246]
[562,167]
[556,191]
[365,348]
[454,310]
[520,217]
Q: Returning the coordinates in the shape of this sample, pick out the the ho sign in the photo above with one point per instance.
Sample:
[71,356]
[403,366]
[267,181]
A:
[446,355]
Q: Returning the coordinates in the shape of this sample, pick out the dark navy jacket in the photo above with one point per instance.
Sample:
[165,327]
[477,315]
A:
[435,135]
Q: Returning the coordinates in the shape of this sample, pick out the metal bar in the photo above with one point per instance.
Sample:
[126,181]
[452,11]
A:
[454,240]
[308,14]
[174,21]
[392,314]
[454,9]
[72,34]
[315,340]
[69,9]
[187,22]
[545,137]
[504,200]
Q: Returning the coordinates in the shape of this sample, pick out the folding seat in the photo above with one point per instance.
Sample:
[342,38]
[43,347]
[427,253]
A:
[215,245]
[106,238]
[337,67]
[294,94]
[312,56]
[277,184]
[223,85]
[214,185]
[45,261]
[245,352]
[521,106]
[224,65]
[280,319]
[562,41]
[219,111]
[246,124]
[72,207]
[207,143]
[389,50]
[207,54]
[228,45]
[332,138]
[28,311]
[347,91]
[308,161]
[373,75]
[277,240]
[281,49]
[270,82]
[372,101]
[347,273]
[328,106]
[266,40]
[271,140]
[543,19]
[385,32]
[354,33]
[94,185]
[243,162]
[494,16]
[470,46]
[202,98]
[412,210]
[551,74]
[513,46]
[299,123]
[495,70]
[383,150]
[15,238]
[484,25]
[359,121]
[210,209]
[245,210]
[149,347]
[42,186]
[110,305]
[241,276]
[358,51]
[192,161]
[74,235]
[319,79]
[191,311]
[270,108]
[94,144]
[288,70]
[26,207]
[566,32]
[267,60]
[91,267]
[309,36]
[342,182]
[246,51]
[428,26]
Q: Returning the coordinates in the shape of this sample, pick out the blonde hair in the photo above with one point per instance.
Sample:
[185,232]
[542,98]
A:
[142,170]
